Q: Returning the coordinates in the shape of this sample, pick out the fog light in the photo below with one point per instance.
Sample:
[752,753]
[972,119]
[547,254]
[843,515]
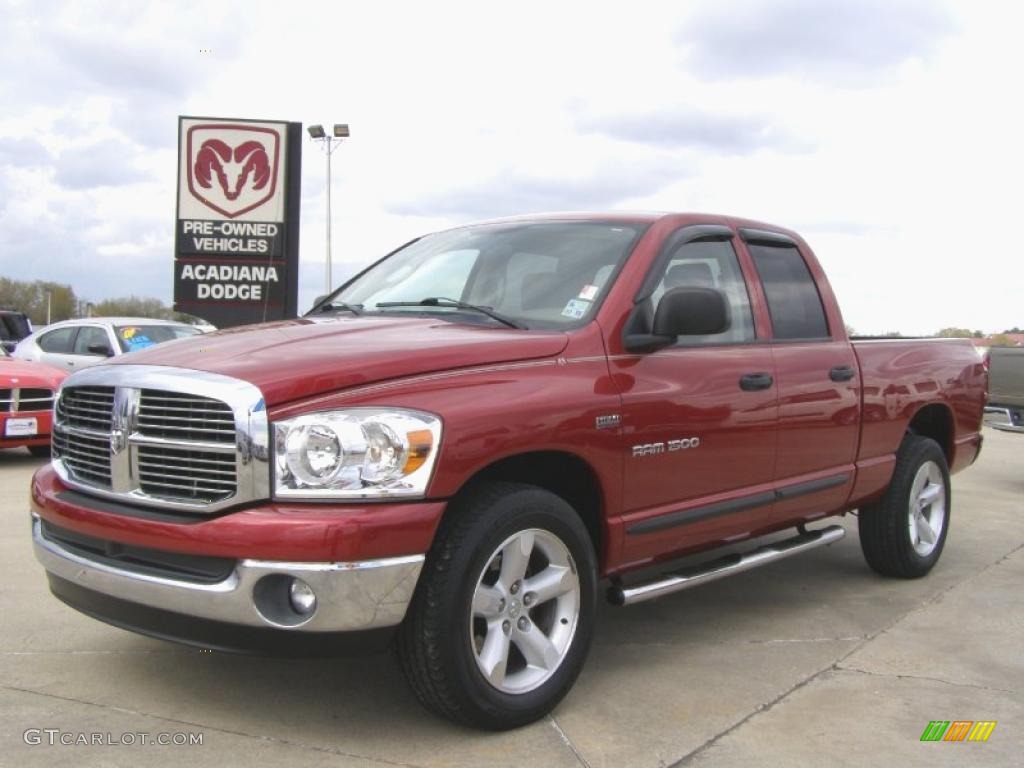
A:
[302,597]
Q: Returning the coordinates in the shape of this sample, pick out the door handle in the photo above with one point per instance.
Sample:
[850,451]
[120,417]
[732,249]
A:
[842,373]
[752,382]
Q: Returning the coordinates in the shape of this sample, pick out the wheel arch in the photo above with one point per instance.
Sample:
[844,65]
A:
[565,474]
[935,421]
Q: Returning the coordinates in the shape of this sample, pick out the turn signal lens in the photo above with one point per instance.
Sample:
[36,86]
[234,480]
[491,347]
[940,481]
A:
[420,443]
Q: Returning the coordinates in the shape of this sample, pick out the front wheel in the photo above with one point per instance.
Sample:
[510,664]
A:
[503,615]
[903,533]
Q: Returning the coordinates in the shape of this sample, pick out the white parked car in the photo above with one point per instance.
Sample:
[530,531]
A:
[73,344]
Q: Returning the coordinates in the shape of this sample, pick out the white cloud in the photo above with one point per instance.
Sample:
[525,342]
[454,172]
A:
[684,127]
[106,163]
[882,131]
[847,41]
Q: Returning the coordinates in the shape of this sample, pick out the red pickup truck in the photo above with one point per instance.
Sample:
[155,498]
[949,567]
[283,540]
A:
[456,446]
[26,404]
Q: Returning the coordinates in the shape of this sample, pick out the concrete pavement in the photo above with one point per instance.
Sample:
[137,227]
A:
[814,660]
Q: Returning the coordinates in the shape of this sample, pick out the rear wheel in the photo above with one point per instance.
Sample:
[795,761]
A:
[502,618]
[39,451]
[903,533]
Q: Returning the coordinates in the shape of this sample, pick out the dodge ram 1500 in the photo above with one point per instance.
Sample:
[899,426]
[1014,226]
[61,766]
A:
[459,444]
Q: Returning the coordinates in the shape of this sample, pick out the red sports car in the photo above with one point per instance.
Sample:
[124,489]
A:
[26,404]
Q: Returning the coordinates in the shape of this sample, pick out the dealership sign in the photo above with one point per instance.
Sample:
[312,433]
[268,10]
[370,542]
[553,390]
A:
[236,244]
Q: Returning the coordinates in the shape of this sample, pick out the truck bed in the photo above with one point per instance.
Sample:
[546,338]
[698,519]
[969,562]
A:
[899,376]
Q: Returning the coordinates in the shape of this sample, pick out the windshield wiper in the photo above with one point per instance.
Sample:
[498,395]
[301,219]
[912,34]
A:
[443,301]
[355,309]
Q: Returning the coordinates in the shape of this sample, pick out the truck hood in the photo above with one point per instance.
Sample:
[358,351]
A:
[301,358]
[24,373]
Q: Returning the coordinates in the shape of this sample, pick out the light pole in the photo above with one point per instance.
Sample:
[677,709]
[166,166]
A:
[328,144]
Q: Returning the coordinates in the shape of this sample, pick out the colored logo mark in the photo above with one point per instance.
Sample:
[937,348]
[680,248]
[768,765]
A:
[958,730]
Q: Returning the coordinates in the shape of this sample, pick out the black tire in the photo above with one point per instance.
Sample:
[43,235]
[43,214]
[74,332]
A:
[434,642]
[39,451]
[885,536]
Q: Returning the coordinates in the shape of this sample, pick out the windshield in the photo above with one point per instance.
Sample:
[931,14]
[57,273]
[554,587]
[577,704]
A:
[133,337]
[539,274]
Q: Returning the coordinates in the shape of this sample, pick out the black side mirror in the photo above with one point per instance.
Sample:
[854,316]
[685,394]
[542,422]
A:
[100,349]
[691,312]
[681,312]
[317,300]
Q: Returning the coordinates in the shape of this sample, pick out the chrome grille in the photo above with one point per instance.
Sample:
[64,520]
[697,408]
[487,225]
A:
[176,473]
[81,433]
[163,437]
[87,457]
[88,408]
[86,452]
[178,416]
[6,398]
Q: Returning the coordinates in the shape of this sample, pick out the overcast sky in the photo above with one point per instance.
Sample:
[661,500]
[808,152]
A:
[888,133]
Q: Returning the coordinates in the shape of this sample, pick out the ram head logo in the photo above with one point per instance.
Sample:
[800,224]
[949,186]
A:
[215,153]
[232,168]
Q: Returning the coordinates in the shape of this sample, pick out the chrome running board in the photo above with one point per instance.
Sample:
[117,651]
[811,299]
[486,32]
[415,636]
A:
[724,566]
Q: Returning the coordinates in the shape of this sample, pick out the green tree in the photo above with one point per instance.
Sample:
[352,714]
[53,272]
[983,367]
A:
[956,333]
[32,298]
[1002,340]
[139,306]
[132,306]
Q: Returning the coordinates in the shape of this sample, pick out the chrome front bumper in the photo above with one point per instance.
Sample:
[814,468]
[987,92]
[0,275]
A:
[1006,426]
[356,596]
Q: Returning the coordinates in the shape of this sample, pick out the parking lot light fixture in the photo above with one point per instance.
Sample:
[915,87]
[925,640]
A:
[328,144]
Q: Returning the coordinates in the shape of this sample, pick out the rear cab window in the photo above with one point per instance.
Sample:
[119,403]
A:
[793,299]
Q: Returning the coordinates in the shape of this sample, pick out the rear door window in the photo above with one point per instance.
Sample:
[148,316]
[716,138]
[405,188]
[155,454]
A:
[58,340]
[793,299]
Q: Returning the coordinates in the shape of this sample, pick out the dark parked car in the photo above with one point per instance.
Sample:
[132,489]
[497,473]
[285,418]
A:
[14,326]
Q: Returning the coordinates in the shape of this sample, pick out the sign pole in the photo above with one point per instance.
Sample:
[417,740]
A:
[327,274]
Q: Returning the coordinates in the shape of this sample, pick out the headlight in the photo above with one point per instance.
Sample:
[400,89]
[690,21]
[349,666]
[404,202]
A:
[355,453]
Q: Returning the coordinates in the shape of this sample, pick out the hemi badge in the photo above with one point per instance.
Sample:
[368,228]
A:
[608,422]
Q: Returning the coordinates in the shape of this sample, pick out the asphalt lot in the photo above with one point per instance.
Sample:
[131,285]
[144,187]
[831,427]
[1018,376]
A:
[814,660]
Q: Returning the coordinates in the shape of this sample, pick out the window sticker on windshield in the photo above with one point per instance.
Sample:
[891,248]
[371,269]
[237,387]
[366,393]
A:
[588,292]
[576,308]
[135,339]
